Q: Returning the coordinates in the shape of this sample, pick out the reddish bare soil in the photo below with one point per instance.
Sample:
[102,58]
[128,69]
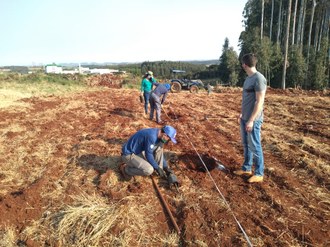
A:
[65,145]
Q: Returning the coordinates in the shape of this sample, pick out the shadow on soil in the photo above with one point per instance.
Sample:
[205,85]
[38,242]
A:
[101,164]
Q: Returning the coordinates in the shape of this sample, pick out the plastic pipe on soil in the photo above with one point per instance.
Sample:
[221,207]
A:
[166,206]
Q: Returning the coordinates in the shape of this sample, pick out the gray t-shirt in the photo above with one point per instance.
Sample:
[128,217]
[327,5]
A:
[252,84]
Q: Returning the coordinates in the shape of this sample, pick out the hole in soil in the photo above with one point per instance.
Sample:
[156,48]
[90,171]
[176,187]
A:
[17,193]
[173,116]
[122,112]
[193,162]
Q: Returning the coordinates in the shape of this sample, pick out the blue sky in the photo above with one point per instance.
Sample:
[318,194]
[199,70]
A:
[45,31]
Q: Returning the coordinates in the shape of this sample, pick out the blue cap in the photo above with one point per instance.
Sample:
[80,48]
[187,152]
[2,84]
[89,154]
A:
[170,132]
[168,86]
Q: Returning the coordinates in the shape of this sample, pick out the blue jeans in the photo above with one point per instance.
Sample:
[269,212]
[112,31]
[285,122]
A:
[252,148]
[146,96]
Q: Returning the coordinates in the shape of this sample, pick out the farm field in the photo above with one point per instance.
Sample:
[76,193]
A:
[60,184]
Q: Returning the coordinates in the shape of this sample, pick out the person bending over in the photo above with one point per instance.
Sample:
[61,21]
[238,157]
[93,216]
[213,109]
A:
[143,153]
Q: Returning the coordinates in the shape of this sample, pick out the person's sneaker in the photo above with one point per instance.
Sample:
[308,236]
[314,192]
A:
[241,172]
[123,173]
[255,179]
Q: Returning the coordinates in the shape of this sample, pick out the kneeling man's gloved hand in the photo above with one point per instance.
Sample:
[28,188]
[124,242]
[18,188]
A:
[160,172]
[167,171]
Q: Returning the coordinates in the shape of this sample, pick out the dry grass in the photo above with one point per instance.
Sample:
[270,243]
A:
[92,221]
[10,97]
[12,92]
[9,174]
[8,237]
[15,172]
[170,240]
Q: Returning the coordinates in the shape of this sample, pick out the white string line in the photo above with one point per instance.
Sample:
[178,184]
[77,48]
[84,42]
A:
[216,186]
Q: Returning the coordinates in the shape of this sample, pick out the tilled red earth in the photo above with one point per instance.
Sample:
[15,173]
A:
[55,137]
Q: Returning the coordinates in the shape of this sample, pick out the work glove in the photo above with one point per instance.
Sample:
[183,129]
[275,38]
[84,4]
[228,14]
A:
[160,172]
[167,171]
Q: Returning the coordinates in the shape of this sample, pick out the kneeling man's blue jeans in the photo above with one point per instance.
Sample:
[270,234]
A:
[252,148]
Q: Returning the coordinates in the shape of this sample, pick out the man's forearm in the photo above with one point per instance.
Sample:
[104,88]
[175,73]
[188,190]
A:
[260,98]
[256,110]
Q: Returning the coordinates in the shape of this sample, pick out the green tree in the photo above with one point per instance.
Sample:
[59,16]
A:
[318,66]
[276,65]
[297,68]
[233,66]
[229,64]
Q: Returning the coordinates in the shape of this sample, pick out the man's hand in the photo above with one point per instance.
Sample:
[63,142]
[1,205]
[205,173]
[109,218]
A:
[160,172]
[249,126]
[167,171]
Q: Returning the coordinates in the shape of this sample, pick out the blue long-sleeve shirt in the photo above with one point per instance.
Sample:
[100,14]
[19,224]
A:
[144,140]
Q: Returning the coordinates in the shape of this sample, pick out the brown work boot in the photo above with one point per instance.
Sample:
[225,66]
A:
[123,172]
[255,179]
[241,172]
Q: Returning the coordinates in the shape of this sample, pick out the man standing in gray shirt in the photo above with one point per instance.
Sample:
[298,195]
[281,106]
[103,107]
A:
[251,118]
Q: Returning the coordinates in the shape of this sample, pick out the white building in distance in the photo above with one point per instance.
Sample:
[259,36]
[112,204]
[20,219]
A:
[56,69]
[103,71]
[53,68]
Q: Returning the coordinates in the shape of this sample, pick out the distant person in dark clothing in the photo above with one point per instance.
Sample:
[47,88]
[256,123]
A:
[143,153]
[157,98]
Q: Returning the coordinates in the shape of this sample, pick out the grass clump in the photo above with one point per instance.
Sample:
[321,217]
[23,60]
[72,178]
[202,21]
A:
[61,79]
[132,82]
[8,237]
[14,87]
[92,220]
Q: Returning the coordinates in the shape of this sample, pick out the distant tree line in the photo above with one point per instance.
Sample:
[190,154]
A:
[17,69]
[164,69]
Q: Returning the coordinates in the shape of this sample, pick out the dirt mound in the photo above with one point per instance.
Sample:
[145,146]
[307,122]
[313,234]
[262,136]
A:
[106,80]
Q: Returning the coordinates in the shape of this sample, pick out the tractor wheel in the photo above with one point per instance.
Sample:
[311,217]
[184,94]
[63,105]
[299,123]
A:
[175,87]
[194,89]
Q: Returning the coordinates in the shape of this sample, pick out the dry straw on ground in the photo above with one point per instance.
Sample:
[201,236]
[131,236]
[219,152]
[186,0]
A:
[92,221]
[8,237]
